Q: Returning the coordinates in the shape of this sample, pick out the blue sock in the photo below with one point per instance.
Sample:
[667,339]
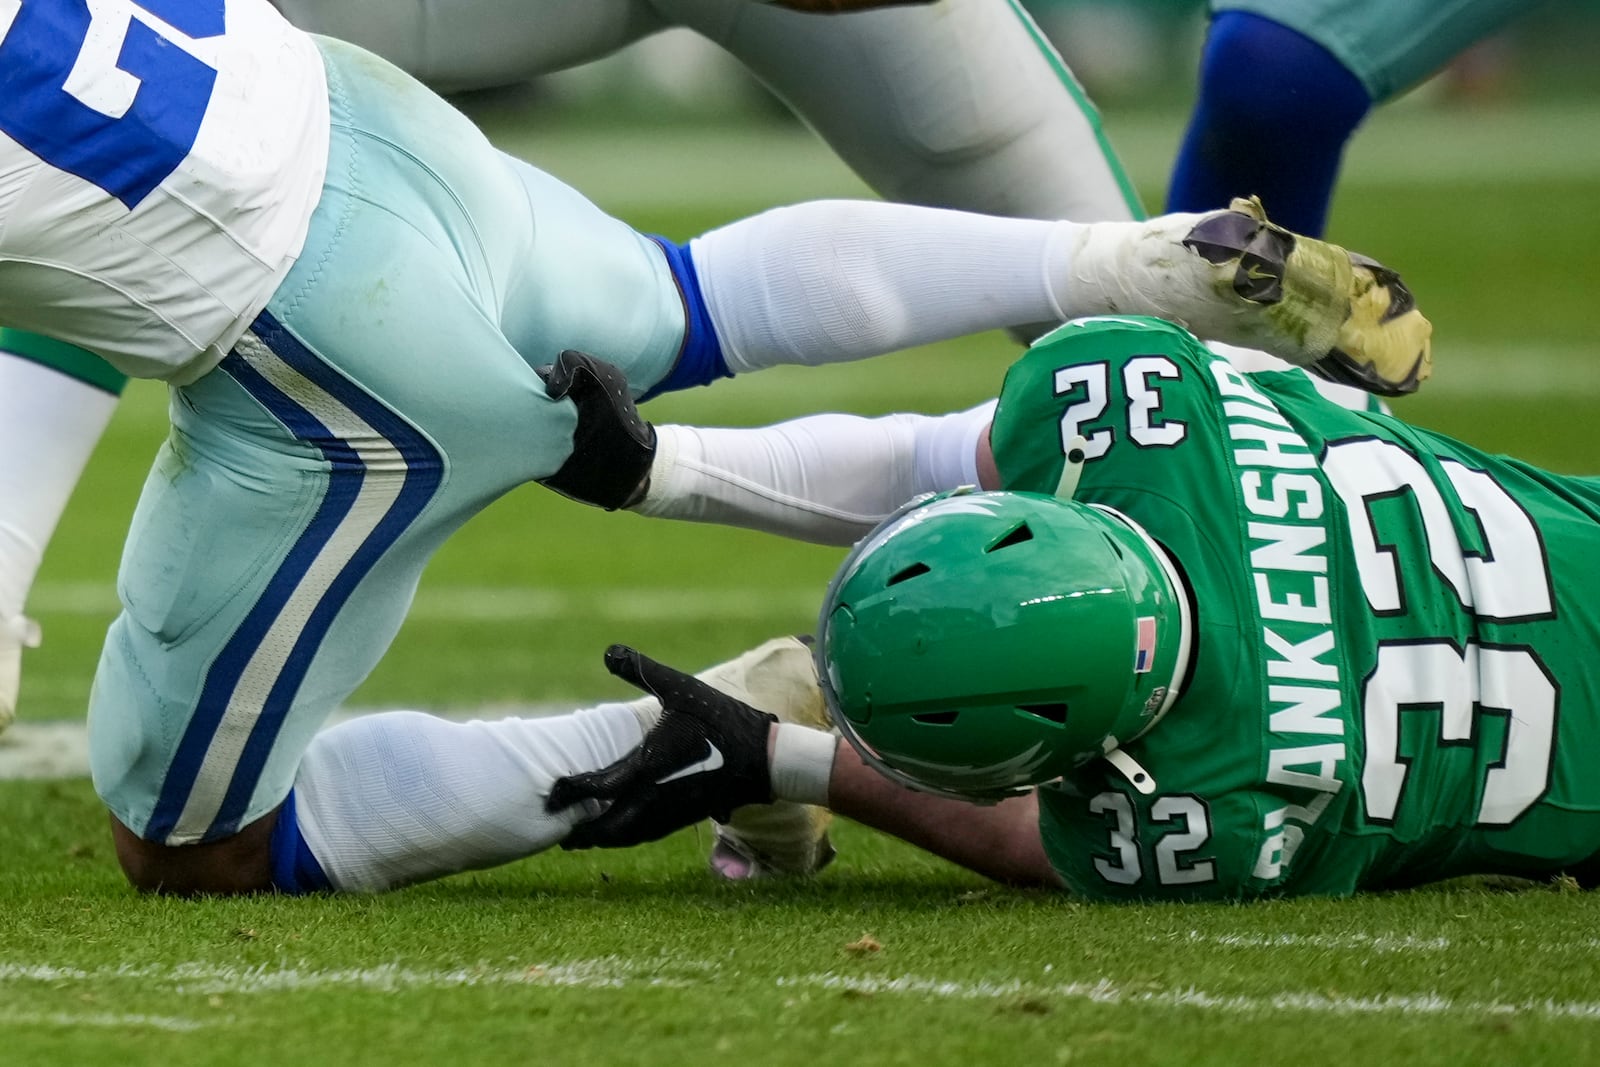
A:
[294,869]
[1273,115]
[701,361]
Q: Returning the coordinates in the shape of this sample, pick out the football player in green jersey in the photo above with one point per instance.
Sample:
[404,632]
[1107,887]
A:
[1217,638]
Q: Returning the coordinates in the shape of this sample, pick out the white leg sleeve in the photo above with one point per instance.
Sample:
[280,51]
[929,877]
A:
[825,478]
[400,797]
[49,425]
[837,280]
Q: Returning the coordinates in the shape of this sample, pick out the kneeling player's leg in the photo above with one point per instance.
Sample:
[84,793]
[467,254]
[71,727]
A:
[311,475]
[401,797]
[274,553]
[55,402]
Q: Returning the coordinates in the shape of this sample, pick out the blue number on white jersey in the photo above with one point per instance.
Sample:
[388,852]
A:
[103,89]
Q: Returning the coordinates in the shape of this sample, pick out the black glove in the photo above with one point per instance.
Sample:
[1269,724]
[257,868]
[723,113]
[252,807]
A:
[612,447]
[706,756]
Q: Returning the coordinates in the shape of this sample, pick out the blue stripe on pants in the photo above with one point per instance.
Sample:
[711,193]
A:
[424,471]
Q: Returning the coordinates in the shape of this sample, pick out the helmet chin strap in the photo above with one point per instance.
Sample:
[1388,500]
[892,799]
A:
[1129,768]
[1072,468]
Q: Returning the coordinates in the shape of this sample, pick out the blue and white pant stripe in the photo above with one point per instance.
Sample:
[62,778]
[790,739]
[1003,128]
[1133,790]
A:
[382,473]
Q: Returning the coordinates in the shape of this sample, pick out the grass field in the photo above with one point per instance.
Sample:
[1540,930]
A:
[639,957]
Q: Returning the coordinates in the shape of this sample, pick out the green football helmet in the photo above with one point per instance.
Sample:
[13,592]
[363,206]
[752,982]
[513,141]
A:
[978,644]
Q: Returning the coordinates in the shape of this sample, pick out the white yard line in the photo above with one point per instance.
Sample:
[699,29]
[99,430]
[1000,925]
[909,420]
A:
[1107,991]
[42,751]
[515,603]
[692,167]
[1527,368]
[203,979]
[1370,943]
[72,1020]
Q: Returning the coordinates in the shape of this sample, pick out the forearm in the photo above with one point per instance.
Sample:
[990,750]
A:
[824,478]
[1000,841]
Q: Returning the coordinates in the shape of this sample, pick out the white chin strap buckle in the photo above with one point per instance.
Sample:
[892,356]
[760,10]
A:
[1129,768]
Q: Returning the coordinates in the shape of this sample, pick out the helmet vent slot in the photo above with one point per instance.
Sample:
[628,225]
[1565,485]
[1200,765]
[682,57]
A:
[1021,533]
[1056,713]
[908,573]
[936,718]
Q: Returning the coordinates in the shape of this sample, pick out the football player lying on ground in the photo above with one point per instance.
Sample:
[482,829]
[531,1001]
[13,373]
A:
[1215,638]
[348,291]
[959,104]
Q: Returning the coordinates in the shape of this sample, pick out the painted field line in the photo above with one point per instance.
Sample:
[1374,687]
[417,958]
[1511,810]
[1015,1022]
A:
[753,166]
[1366,943]
[1523,369]
[1107,991]
[205,979]
[41,751]
[69,1020]
[469,603]
[617,973]
[1379,943]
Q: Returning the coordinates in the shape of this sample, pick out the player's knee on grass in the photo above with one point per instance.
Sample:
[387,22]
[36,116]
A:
[238,864]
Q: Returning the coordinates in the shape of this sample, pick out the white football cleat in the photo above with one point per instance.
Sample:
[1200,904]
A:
[782,839]
[16,634]
[1235,277]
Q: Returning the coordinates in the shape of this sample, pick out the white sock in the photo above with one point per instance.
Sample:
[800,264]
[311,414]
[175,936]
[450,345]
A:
[839,280]
[828,479]
[400,797]
[49,424]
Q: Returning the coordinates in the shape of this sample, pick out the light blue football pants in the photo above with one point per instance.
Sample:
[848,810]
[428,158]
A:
[386,395]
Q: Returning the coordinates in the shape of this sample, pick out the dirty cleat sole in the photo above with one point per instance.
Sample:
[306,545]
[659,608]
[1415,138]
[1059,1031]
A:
[783,839]
[1341,315]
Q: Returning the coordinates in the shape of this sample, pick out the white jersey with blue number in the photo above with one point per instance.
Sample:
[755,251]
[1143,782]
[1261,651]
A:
[159,163]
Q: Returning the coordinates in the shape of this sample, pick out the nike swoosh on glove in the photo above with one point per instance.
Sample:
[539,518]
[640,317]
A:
[706,756]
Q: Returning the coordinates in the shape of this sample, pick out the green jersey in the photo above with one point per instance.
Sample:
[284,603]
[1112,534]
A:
[1395,634]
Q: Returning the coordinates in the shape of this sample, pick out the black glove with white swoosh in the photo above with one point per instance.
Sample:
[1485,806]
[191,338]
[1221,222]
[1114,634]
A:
[706,756]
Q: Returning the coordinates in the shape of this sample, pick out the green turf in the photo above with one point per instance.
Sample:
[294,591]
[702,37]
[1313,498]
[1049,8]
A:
[639,958]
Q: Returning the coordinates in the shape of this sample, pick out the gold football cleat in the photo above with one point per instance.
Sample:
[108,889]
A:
[783,838]
[1347,318]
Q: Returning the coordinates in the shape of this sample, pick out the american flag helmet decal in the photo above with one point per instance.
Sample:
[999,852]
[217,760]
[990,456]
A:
[1144,655]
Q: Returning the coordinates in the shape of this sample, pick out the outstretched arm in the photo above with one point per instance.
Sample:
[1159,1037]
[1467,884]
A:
[710,753]
[999,841]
